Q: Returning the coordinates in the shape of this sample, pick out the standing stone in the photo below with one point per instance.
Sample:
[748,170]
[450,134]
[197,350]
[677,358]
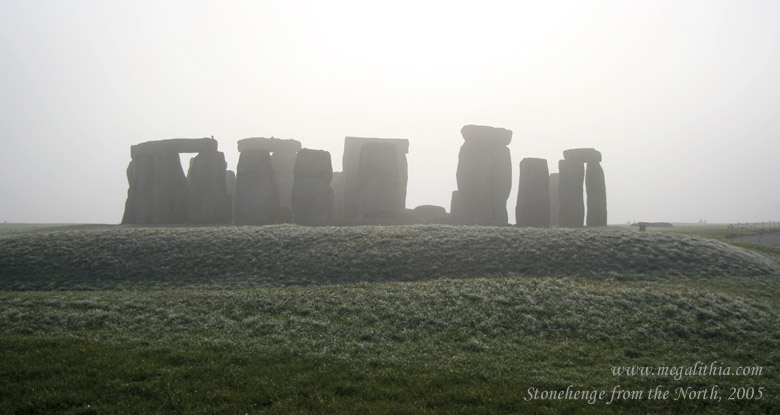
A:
[158,190]
[283,154]
[484,175]
[283,163]
[257,198]
[533,198]
[351,165]
[456,205]
[209,200]
[554,202]
[597,195]
[312,196]
[337,184]
[379,190]
[132,204]
[572,205]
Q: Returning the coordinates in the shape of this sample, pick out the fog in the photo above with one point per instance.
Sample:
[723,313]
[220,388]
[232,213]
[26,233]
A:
[681,98]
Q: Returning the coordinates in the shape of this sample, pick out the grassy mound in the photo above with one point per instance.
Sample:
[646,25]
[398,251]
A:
[285,255]
[444,346]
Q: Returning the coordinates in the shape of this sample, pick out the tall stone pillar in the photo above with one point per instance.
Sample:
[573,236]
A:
[352,174]
[596,190]
[533,198]
[572,206]
[283,156]
[379,186]
[257,198]
[594,184]
[312,196]
[158,191]
[209,200]
[484,175]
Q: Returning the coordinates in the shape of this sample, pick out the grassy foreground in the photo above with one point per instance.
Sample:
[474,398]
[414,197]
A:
[135,343]
[287,255]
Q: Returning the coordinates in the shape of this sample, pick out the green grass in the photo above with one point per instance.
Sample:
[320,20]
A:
[288,255]
[289,340]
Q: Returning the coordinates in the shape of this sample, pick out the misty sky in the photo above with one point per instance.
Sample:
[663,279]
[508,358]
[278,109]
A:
[681,97]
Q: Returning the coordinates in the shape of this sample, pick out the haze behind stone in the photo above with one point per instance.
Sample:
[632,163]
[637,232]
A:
[682,99]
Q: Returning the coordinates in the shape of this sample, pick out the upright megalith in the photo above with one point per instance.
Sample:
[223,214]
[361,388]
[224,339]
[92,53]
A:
[379,190]
[351,163]
[594,184]
[283,163]
[533,198]
[554,203]
[596,190]
[571,211]
[283,156]
[209,201]
[312,196]
[257,198]
[456,205]
[159,192]
[484,175]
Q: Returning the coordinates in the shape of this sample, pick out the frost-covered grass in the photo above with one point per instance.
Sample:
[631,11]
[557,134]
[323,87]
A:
[419,319]
[287,255]
[444,346]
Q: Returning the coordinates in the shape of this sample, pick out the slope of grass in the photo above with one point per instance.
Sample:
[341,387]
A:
[286,319]
[444,346]
[285,255]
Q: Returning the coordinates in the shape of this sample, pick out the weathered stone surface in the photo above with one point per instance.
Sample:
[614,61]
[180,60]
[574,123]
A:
[230,183]
[485,134]
[272,144]
[313,163]
[174,145]
[554,203]
[596,190]
[533,198]
[257,198]
[283,163]
[584,155]
[337,184]
[484,182]
[428,212]
[572,205]
[312,198]
[456,204]
[351,166]
[378,187]
[209,200]
[158,190]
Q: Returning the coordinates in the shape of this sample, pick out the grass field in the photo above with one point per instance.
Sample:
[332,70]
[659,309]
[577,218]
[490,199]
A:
[421,319]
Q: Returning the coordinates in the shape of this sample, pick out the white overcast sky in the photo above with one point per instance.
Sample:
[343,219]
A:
[681,97]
